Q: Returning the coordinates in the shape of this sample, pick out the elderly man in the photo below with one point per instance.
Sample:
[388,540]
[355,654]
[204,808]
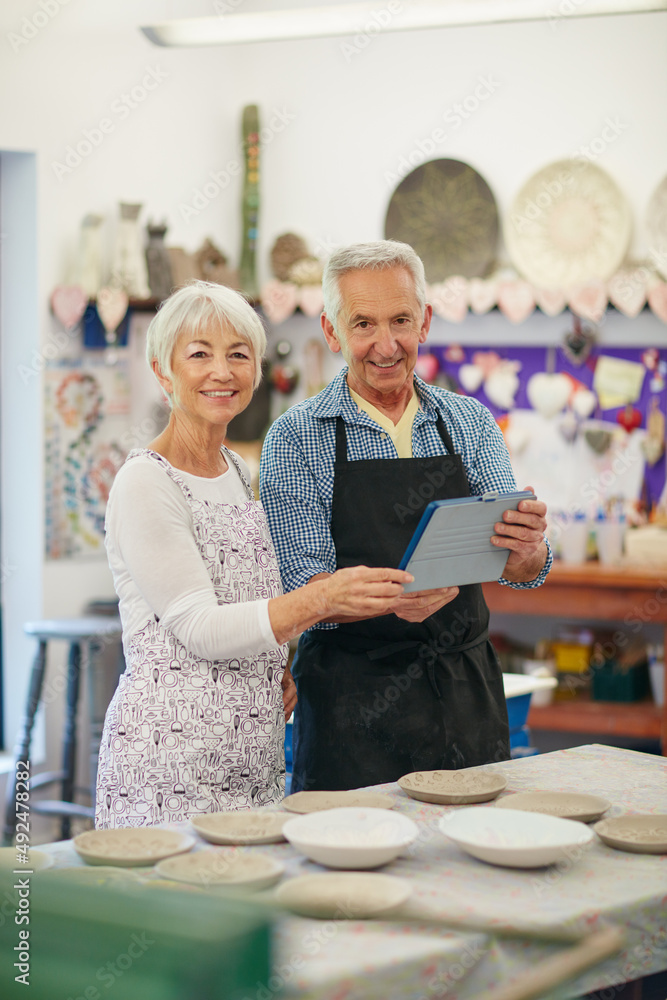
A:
[420,688]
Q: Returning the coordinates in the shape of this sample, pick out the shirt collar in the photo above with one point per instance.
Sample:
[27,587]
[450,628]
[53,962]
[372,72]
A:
[336,401]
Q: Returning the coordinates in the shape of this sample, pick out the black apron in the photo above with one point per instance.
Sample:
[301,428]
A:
[382,697]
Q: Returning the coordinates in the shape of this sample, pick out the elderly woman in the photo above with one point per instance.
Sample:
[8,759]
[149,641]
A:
[197,721]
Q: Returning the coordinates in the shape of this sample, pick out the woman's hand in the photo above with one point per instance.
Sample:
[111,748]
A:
[362,592]
[421,604]
[289,692]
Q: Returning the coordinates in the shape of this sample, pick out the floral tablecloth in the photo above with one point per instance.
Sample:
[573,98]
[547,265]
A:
[374,960]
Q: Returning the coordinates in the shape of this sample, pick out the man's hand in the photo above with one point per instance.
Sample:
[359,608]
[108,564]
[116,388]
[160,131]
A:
[289,692]
[522,532]
[421,604]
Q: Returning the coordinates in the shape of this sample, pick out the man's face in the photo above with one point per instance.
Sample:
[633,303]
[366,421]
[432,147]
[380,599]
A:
[378,331]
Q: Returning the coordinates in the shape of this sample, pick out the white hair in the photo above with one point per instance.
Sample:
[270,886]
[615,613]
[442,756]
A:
[196,306]
[378,256]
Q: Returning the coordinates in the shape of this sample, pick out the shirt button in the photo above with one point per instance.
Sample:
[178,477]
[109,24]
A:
[383,436]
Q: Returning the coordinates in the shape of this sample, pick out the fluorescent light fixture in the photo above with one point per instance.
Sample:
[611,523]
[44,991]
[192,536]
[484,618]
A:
[377,17]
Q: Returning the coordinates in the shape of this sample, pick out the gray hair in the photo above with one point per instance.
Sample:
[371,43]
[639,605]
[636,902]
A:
[376,256]
[196,306]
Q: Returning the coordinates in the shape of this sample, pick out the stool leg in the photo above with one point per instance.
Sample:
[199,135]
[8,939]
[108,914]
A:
[22,746]
[69,744]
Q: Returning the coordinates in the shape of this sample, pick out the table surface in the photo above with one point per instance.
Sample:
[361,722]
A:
[374,960]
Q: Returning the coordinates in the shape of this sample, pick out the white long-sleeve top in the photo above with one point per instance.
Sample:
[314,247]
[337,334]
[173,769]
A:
[157,569]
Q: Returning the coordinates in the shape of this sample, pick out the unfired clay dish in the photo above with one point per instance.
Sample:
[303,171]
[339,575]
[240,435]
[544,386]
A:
[227,867]
[343,895]
[453,787]
[641,833]
[567,805]
[129,847]
[308,802]
[243,827]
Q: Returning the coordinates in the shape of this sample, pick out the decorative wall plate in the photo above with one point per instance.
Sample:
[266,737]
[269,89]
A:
[567,805]
[639,833]
[307,802]
[242,827]
[224,867]
[569,224]
[656,224]
[453,787]
[340,895]
[447,212]
[130,847]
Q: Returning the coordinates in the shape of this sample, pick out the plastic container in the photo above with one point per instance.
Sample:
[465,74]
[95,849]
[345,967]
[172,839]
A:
[574,540]
[609,537]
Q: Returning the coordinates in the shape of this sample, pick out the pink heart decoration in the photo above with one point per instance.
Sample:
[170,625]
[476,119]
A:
[427,367]
[482,295]
[311,300]
[450,299]
[488,361]
[68,303]
[657,299]
[589,301]
[516,300]
[279,300]
[627,291]
[551,301]
[548,394]
[112,305]
[470,377]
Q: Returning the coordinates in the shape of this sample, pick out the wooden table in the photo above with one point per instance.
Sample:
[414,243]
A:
[627,594]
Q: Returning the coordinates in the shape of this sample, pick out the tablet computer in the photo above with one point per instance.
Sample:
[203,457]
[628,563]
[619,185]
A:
[451,546]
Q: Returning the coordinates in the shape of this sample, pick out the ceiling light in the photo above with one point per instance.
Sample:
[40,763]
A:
[355,18]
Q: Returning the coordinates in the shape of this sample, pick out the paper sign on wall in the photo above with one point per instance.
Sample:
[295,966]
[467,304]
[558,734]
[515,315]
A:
[617,381]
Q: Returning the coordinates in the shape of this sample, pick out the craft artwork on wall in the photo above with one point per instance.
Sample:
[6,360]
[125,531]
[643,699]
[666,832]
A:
[582,433]
[86,410]
[446,211]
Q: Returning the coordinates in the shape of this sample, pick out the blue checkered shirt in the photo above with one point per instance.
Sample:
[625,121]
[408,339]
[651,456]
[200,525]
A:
[297,467]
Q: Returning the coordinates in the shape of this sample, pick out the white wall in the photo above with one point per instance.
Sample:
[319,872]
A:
[346,121]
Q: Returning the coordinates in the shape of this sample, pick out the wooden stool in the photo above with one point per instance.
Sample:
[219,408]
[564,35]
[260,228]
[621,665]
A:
[86,637]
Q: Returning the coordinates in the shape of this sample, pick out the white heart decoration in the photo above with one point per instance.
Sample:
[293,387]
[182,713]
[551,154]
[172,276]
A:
[470,377]
[516,439]
[516,300]
[112,305]
[551,301]
[279,300]
[68,303]
[627,291]
[584,402]
[482,295]
[657,299]
[548,394]
[589,301]
[501,387]
[450,299]
[311,300]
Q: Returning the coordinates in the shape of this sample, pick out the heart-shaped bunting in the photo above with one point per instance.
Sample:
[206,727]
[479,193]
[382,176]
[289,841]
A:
[112,305]
[68,303]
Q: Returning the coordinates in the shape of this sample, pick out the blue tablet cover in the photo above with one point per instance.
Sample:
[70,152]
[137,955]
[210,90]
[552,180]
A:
[451,546]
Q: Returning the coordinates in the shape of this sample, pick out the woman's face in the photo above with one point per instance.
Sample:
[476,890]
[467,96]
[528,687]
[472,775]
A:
[213,375]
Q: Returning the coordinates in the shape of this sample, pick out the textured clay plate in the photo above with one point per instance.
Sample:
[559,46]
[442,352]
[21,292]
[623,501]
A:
[640,834]
[343,895]
[309,802]
[38,860]
[567,805]
[453,787]
[215,869]
[129,847]
[244,827]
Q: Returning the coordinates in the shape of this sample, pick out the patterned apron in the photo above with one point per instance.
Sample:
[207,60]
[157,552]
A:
[185,735]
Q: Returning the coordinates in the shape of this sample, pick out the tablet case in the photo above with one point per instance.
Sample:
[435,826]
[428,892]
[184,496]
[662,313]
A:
[451,546]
